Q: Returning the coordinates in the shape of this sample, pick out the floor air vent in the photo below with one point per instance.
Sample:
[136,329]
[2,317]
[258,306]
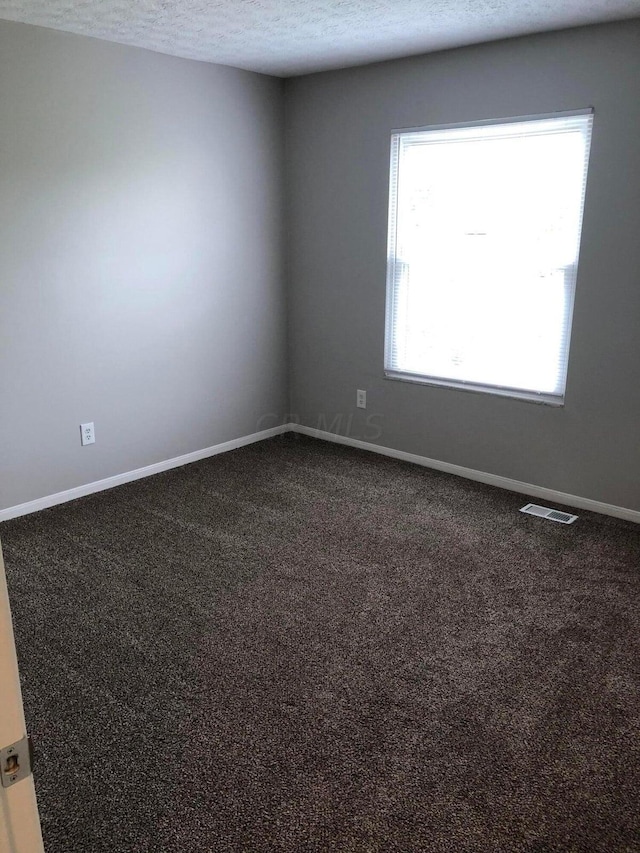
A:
[551,514]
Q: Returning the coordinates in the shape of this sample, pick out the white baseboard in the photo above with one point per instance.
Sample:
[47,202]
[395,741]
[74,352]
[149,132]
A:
[138,474]
[468,473]
[479,476]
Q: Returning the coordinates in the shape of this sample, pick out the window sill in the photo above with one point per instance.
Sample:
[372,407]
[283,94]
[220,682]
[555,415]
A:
[452,385]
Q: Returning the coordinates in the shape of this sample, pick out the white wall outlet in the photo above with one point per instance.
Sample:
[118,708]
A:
[87,434]
[361,399]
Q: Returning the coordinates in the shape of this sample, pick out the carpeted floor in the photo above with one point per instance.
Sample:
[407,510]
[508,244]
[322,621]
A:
[301,647]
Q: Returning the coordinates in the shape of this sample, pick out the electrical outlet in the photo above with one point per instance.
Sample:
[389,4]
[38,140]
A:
[361,399]
[87,434]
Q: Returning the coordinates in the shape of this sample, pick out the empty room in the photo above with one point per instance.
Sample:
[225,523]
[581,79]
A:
[319,426]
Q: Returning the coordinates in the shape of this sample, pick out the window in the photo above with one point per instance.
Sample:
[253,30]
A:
[484,234]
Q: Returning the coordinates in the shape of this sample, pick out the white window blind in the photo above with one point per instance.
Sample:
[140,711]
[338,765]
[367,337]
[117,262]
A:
[484,235]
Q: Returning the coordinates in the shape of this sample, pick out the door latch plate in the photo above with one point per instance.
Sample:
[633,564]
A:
[16,762]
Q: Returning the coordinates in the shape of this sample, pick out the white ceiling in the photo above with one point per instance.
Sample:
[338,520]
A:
[289,37]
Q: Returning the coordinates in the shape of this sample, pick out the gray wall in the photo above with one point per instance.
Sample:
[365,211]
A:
[141,276]
[141,281]
[338,128]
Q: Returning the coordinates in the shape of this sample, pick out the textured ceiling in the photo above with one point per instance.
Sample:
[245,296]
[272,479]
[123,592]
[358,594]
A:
[287,37]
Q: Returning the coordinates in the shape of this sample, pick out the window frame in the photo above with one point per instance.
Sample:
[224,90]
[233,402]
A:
[395,374]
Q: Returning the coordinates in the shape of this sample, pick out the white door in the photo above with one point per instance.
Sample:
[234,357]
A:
[19,822]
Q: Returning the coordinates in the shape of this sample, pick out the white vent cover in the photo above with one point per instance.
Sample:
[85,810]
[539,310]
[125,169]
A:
[547,512]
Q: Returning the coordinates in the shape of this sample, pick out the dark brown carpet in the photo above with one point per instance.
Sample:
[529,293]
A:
[301,647]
